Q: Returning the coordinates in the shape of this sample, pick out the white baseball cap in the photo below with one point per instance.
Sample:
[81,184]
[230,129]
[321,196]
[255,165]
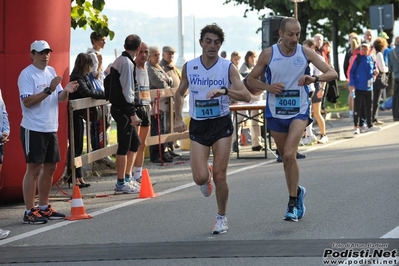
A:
[39,46]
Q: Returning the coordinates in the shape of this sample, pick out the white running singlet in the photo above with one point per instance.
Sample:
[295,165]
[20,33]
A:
[294,99]
[201,80]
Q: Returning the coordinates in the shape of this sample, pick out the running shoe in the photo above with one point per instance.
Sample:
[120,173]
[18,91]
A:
[153,182]
[364,129]
[4,233]
[134,183]
[220,226]
[292,214]
[126,188]
[323,139]
[206,189]
[51,214]
[309,140]
[374,128]
[34,217]
[301,202]
[356,131]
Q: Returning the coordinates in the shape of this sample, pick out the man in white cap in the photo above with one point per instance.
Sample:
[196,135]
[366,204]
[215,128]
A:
[40,91]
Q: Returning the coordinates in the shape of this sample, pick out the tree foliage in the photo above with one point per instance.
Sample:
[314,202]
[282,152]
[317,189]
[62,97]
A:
[88,14]
[335,19]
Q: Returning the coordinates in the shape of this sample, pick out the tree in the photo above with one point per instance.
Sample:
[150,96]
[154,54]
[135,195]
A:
[85,13]
[335,19]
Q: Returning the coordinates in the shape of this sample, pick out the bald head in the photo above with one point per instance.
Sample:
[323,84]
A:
[397,41]
[286,21]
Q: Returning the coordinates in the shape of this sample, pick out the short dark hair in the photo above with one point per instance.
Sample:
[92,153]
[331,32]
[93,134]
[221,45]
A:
[132,42]
[95,36]
[215,29]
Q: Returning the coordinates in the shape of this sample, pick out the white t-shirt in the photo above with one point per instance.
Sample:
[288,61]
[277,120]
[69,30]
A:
[42,117]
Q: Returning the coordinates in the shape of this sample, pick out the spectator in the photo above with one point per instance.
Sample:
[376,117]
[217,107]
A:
[393,63]
[223,54]
[249,63]
[39,126]
[5,133]
[158,80]
[319,40]
[143,112]
[80,73]
[380,45]
[287,125]
[124,103]
[361,81]
[208,129]
[348,55]
[387,50]
[171,70]
[368,37]
[245,69]
[96,77]
[318,92]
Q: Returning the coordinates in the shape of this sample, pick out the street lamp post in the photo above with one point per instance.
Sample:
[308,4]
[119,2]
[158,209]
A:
[296,7]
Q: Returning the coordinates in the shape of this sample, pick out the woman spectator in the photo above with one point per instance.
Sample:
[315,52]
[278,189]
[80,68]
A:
[249,63]
[80,73]
[380,44]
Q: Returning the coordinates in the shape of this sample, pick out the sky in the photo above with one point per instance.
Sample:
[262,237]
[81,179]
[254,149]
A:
[169,8]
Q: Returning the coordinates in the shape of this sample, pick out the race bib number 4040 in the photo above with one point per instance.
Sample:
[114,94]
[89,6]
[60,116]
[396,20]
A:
[207,108]
[288,102]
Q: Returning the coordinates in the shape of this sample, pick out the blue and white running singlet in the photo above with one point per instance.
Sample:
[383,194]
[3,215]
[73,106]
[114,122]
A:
[201,80]
[294,99]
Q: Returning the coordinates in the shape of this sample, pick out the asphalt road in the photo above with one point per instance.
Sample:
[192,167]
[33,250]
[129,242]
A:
[352,197]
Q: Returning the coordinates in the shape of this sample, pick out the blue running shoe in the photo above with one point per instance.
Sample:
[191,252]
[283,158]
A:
[300,204]
[292,214]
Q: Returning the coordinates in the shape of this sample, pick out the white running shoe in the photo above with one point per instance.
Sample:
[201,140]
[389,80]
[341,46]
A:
[309,140]
[126,188]
[323,139]
[153,182]
[134,183]
[356,131]
[4,233]
[364,129]
[374,128]
[206,189]
[220,226]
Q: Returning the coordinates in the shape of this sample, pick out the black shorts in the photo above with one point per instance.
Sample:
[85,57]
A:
[128,138]
[40,147]
[143,113]
[315,99]
[207,132]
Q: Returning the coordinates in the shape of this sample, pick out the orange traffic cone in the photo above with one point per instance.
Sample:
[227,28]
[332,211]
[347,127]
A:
[146,190]
[78,211]
[243,138]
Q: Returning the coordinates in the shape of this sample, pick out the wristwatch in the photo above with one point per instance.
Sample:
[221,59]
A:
[47,90]
[226,90]
[316,78]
